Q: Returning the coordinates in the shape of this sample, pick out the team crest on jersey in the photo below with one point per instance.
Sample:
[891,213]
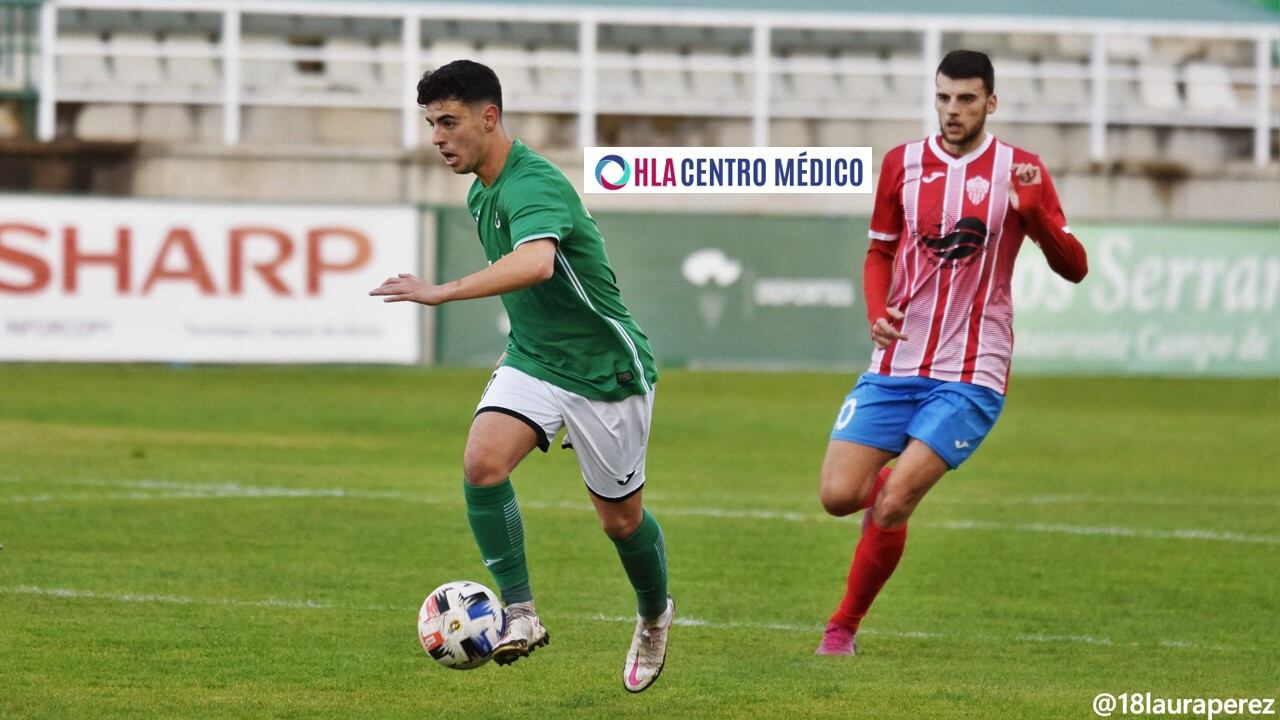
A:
[977,189]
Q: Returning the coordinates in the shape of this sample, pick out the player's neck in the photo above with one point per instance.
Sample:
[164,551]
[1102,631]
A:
[489,169]
[962,150]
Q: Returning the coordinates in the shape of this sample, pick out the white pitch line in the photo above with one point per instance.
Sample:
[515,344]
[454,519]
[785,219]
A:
[939,498]
[165,599]
[166,490]
[806,628]
[1112,500]
[1058,528]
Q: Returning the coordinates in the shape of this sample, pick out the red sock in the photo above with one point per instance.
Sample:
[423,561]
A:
[877,555]
[875,489]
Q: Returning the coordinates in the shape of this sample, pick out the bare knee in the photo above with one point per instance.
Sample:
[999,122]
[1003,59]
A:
[894,508]
[842,495]
[481,469]
[620,526]
[838,501]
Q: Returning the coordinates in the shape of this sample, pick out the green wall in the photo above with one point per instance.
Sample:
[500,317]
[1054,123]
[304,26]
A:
[734,291]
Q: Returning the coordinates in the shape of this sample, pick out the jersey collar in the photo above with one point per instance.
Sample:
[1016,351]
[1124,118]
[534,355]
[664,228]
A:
[954,161]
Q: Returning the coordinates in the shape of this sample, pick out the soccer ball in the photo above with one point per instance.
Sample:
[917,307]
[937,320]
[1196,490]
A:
[460,623]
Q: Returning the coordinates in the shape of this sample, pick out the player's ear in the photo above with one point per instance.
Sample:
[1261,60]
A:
[991,103]
[492,117]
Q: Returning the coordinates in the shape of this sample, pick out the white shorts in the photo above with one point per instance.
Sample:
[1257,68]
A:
[609,438]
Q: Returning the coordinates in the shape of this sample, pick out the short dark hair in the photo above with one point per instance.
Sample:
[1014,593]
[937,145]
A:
[961,64]
[462,80]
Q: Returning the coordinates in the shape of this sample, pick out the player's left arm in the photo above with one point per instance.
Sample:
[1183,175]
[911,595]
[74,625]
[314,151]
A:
[1036,200]
[532,262]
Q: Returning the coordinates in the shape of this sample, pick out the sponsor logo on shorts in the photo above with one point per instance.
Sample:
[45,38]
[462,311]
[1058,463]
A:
[629,476]
[962,444]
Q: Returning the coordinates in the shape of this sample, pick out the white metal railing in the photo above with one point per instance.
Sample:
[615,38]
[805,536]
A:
[761,70]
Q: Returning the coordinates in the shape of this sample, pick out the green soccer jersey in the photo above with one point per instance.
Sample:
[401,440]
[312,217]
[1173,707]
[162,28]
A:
[572,330]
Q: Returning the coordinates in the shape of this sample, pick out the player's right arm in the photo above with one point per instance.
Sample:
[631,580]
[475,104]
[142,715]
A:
[877,267]
[530,263]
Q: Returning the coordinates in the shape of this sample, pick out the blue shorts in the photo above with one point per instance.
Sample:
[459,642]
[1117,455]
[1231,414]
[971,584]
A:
[952,418]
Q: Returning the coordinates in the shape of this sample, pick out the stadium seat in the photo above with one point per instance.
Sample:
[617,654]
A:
[1197,148]
[390,75]
[1209,87]
[207,124]
[1016,85]
[1045,139]
[537,130]
[906,72]
[1064,84]
[1133,143]
[1123,89]
[192,64]
[349,64]
[812,78]
[862,78]
[135,59]
[262,67]
[13,69]
[82,63]
[556,74]
[1158,86]
[616,77]
[717,77]
[662,76]
[511,63]
[445,50]
[112,121]
[165,123]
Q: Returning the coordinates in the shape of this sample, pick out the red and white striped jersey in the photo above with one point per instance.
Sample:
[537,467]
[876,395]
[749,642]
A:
[957,237]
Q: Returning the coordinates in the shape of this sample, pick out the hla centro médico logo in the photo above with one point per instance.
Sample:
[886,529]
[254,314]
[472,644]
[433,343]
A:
[605,162]
[712,270]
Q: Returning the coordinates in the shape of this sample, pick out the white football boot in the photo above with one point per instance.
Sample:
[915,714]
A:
[648,650]
[524,634]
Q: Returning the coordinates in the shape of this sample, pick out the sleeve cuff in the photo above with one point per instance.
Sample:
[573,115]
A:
[885,237]
[548,235]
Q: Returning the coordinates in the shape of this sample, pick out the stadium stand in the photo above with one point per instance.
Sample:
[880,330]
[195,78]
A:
[331,74]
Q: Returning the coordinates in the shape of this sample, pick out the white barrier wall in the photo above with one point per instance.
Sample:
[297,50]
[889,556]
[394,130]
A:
[126,280]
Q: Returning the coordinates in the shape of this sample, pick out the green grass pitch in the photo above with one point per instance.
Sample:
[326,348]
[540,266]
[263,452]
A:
[255,542]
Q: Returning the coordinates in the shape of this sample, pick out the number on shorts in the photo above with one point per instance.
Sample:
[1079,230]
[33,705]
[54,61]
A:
[846,413]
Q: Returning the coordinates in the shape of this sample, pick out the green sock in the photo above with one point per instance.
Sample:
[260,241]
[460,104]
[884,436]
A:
[495,521]
[644,557]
